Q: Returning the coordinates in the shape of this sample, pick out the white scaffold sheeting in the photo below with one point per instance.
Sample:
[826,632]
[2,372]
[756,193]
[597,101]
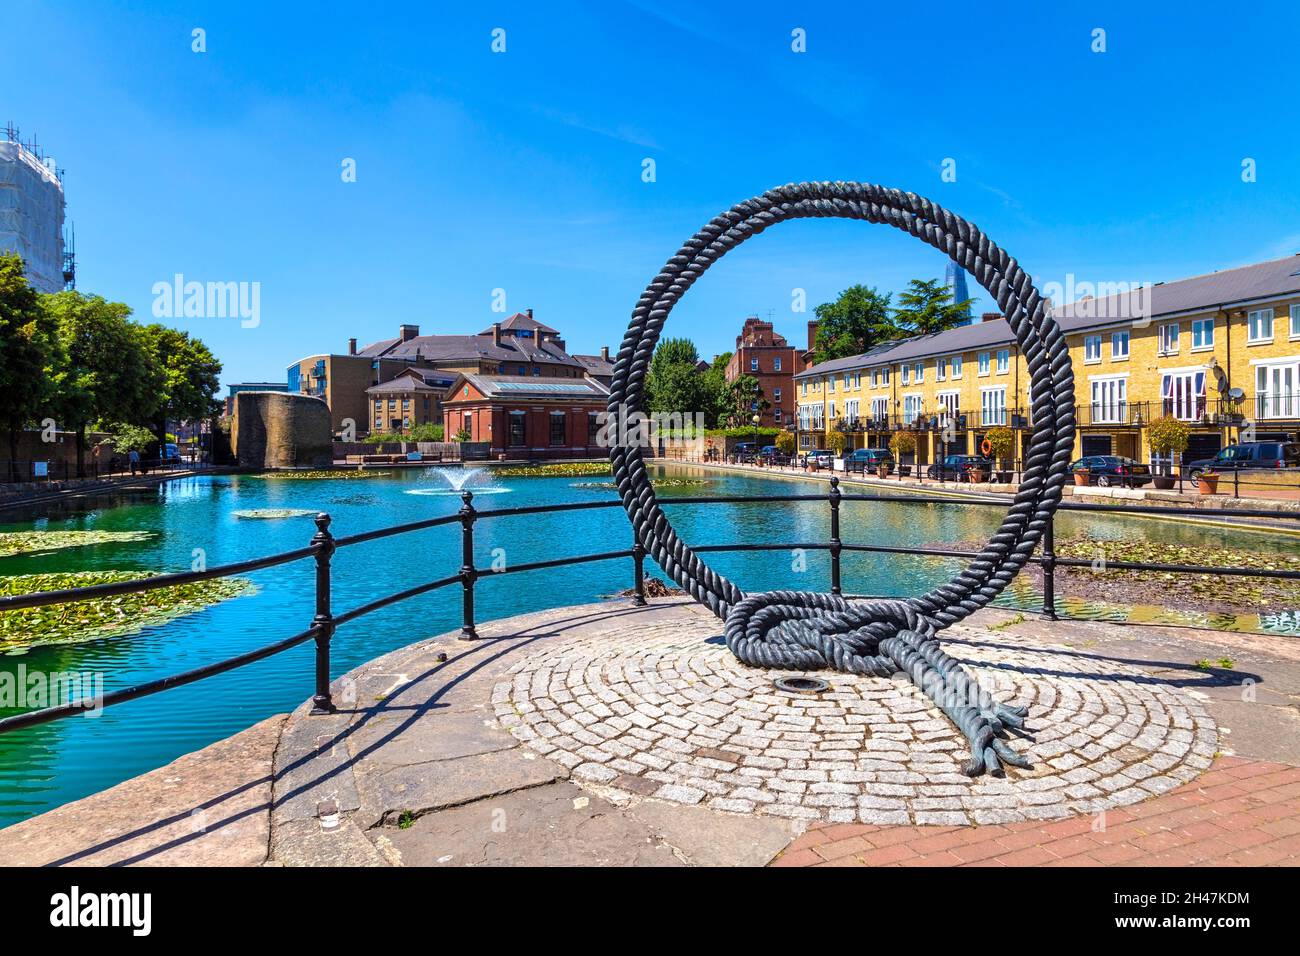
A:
[31,215]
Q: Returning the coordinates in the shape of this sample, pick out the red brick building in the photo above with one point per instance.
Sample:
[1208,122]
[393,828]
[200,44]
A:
[767,356]
[528,417]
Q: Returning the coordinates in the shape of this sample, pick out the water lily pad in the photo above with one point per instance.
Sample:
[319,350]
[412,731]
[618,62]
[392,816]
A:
[274,513]
[40,542]
[322,475]
[102,617]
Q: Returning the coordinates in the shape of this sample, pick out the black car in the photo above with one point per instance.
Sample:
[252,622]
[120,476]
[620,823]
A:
[959,467]
[771,455]
[1249,454]
[1107,471]
[745,451]
[868,460]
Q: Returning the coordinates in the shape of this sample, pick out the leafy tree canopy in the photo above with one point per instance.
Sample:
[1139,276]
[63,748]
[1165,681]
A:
[855,322]
[927,307]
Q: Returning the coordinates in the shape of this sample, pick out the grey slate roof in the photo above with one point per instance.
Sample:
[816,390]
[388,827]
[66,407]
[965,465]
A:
[1264,280]
[448,348]
[596,365]
[519,321]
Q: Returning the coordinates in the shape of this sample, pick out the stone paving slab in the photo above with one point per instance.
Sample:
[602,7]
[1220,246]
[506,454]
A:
[210,807]
[1240,813]
[435,737]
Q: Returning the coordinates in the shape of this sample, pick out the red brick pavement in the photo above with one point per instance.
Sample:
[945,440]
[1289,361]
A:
[1238,813]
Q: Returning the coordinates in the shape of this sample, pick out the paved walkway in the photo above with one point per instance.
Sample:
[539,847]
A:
[1239,813]
[611,735]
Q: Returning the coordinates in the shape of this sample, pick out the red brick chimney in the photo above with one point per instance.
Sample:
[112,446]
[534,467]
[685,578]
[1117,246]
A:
[990,316]
[604,353]
[528,312]
[812,334]
[407,332]
[352,346]
[496,334]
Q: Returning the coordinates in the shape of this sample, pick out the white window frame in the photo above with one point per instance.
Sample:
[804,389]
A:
[1277,387]
[1182,393]
[1122,335]
[1264,315]
[993,405]
[956,366]
[940,369]
[753,364]
[1200,325]
[918,372]
[1170,338]
[948,403]
[776,363]
[1004,361]
[1092,350]
[1108,399]
[879,409]
[905,375]
[985,362]
[1295,323]
[913,407]
[884,376]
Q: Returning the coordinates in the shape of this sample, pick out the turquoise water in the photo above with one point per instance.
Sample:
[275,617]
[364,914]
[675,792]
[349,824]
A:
[42,767]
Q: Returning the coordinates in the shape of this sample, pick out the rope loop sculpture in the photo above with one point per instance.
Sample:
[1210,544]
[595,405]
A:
[802,630]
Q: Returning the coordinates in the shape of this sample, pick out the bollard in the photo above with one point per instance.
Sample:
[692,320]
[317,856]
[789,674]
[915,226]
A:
[836,545]
[1049,571]
[468,573]
[323,541]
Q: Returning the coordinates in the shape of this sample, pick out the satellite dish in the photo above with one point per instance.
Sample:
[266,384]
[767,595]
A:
[1236,394]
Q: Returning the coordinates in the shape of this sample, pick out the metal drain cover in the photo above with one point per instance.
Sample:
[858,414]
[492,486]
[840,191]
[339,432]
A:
[801,685]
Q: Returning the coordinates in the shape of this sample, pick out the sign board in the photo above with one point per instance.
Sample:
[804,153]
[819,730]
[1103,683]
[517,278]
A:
[40,469]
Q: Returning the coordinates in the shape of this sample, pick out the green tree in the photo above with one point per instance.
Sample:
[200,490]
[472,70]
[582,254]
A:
[743,393]
[855,322]
[105,372]
[186,374]
[716,392]
[28,346]
[927,307]
[127,438]
[674,383]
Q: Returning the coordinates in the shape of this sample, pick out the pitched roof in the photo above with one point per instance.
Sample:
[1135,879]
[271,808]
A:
[446,348]
[521,321]
[535,387]
[1262,281]
[596,365]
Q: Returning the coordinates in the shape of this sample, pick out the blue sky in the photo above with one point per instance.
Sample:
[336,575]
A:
[523,170]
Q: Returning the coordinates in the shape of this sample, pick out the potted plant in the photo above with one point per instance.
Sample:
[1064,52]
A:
[1002,444]
[1207,482]
[977,475]
[1081,477]
[1167,436]
[902,443]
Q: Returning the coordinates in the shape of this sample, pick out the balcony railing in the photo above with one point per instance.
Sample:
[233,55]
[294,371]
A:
[1282,405]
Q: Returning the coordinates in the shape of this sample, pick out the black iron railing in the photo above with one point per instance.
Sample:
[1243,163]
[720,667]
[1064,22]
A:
[323,545]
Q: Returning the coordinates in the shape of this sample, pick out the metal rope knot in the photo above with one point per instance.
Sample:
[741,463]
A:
[805,630]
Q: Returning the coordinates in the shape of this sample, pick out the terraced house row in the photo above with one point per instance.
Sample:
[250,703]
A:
[1220,352]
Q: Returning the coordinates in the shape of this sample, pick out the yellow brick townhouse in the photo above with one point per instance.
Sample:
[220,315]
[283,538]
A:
[1219,351]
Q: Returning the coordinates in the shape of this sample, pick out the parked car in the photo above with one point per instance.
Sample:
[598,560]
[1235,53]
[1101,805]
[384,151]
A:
[744,451]
[772,455]
[959,467]
[1105,471]
[170,454]
[1249,454]
[819,458]
[868,460]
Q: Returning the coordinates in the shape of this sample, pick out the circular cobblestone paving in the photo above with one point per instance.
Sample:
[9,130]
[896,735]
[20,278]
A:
[665,711]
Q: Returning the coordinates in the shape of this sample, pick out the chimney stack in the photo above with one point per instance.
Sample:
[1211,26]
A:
[990,316]
[496,334]
[529,312]
[352,346]
[604,353]
[407,332]
[812,334]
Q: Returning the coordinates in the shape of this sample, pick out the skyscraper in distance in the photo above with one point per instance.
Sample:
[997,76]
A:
[956,278]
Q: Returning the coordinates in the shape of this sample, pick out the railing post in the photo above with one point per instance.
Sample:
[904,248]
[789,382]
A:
[638,570]
[1236,480]
[835,535]
[1049,571]
[468,573]
[323,542]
